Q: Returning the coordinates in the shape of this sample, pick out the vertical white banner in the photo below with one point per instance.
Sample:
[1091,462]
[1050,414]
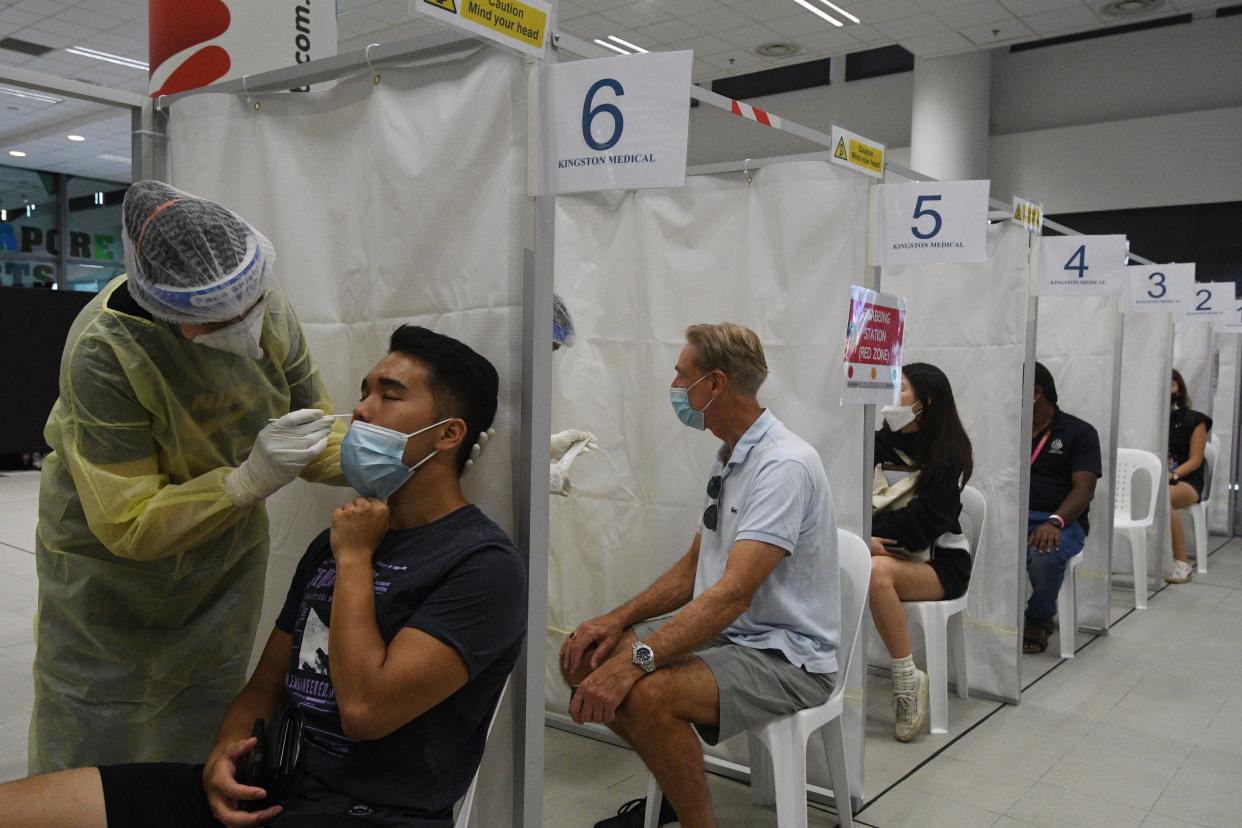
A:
[1081,265]
[1159,288]
[933,221]
[615,123]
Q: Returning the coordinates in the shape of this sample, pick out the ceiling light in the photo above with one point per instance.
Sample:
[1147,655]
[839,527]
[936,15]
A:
[30,96]
[778,50]
[628,45]
[108,57]
[78,138]
[840,11]
[119,158]
[608,45]
[818,12]
[1124,8]
[17,153]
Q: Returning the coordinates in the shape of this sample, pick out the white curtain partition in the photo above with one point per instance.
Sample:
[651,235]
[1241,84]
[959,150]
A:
[635,268]
[1225,417]
[982,352]
[402,202]
[1078,340]
[1147,351]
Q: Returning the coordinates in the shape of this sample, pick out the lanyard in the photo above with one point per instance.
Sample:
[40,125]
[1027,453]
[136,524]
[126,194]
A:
[1039,448]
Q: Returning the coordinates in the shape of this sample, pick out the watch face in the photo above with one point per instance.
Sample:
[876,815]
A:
[643,655]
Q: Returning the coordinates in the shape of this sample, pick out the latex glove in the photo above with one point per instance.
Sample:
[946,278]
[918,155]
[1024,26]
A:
[558,483]
[563,441]
[282,449]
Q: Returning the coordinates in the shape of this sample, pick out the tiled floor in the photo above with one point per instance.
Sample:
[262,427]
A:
[1142,728]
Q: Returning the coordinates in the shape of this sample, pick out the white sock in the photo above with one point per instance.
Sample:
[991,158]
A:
[905,676]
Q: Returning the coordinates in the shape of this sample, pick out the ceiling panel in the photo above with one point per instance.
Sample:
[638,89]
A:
[723,34]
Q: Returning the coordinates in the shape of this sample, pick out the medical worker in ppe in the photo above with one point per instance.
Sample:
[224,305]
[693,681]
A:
[187,396]
[568,444]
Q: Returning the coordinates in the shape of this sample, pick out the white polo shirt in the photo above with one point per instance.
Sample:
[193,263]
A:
[775,490]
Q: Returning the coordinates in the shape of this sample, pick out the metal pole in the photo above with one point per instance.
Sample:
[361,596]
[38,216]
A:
[1024,460]
[62,224]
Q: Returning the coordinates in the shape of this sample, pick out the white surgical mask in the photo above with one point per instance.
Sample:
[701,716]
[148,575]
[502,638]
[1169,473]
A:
[241,338]
[897,416]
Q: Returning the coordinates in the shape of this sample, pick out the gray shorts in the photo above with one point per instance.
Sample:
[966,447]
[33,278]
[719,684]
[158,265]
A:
[756,686]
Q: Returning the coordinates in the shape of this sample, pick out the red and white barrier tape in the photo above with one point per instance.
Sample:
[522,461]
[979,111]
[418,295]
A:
[754,113]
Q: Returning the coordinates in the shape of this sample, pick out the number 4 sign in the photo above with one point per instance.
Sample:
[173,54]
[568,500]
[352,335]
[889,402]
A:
[1081,265]
[938,221]
[614,124]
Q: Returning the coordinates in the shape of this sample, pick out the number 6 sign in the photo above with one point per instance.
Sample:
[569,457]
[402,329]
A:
[614,124]
[937,221]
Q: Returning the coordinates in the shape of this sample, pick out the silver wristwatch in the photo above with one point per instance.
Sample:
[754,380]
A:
[643,656]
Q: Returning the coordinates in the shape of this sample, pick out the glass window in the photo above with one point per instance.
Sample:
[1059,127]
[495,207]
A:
[95,251]
[28,236]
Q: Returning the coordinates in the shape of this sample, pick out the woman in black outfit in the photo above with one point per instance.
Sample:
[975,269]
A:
[918,550]
[1188,436]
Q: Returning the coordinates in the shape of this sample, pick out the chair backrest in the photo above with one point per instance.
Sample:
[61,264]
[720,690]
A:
[854,559]
[975,508]
[467,801]
[1210,452]
[1129,463]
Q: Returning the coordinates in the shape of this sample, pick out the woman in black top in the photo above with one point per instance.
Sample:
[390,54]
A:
[918,551]
[1188,436]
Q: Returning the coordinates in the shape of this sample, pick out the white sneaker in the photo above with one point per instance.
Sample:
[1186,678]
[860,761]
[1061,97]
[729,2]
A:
[1182,572]
[910,708]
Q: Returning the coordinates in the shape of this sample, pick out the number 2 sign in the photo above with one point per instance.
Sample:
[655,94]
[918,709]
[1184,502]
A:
[1212,302]
[614,124]
[1081,265]
[935,221]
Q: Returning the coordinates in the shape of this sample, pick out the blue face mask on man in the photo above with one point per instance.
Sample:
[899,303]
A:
[680,397]
[371,458]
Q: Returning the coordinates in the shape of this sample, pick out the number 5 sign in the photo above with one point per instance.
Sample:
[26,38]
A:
[1081,265]
[938,221]
[614,124]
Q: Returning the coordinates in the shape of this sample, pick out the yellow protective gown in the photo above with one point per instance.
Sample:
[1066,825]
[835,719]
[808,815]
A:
[150,578]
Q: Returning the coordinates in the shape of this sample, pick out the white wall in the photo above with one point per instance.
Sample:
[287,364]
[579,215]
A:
[1144,119]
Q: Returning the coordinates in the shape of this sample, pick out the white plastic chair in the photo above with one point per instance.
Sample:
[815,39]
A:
[467,801]
[1129,463]
[1067,606]
[943,624]
[786,738]
[1198,511]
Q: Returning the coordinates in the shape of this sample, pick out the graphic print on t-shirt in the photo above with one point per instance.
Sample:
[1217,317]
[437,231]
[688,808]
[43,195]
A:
[313,655]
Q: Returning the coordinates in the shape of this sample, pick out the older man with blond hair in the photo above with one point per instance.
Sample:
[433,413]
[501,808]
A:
[745,627]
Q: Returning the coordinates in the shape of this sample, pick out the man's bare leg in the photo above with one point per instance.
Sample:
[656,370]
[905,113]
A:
[65,799]
[656,720]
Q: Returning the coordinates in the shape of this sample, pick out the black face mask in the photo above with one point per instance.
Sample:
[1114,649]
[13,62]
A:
[1173,400]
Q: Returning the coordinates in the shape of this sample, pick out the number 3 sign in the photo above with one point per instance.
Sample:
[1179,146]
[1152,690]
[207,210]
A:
[938,221]
[1081,265]
[614,124]
[1160,288]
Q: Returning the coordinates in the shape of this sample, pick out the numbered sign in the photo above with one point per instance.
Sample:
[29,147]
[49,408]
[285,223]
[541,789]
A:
[873,341]
[1232,323]
[1081,265]
[614,124]
[1159,288]
[1211,302]
[939,221]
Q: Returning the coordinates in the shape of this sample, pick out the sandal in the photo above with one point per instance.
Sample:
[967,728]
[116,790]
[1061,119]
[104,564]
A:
[1034,639]
[633,814]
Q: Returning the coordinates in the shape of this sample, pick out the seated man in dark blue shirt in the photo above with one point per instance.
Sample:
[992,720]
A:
[1065,465]
[400,627]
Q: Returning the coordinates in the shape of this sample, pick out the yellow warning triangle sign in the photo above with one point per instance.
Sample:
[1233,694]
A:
[448,5]
[840,150]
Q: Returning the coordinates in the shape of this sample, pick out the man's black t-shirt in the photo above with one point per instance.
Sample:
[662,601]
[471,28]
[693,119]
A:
[1073,446]
[459,579]
[1182,424]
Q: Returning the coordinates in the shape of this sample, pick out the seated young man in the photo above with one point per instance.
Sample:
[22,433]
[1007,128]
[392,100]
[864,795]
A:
[401,624]
[757,595]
